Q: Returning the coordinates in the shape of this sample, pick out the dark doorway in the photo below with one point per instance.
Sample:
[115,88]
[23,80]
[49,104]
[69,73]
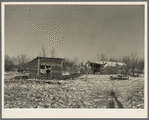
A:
[48,71]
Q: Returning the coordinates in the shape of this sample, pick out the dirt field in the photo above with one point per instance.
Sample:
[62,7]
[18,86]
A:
[93,92]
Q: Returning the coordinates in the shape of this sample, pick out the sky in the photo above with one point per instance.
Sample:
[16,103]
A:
[75,31]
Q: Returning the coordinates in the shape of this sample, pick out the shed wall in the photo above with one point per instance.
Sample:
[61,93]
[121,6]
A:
[33,65]
[56,68]
[50,62]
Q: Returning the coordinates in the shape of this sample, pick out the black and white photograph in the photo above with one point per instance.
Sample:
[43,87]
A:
[74,56]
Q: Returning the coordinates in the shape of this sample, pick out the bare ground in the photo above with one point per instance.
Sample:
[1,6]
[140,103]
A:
[93,92]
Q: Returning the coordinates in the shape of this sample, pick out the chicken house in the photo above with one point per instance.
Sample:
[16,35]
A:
[45,68]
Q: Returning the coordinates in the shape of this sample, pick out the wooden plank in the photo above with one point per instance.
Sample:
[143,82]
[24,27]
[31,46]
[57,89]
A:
[45,77]
[50,60]
[56,67]
[50,64]
[33,65]
[38,67]
[56,62]
[33,76]
[32,68]
[32,72]
[56,72]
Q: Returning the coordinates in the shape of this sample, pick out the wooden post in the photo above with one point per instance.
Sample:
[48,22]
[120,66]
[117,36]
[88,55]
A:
[51,73]
[87,71]
[47,75]
[61,68]
[86,74]
[38,68]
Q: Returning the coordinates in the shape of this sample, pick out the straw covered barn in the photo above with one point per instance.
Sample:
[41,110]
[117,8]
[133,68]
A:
[99,66]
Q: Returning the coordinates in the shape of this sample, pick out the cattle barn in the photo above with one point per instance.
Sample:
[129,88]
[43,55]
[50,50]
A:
[45,68]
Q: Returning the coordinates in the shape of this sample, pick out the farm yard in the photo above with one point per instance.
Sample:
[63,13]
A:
[74,60]
[92,91]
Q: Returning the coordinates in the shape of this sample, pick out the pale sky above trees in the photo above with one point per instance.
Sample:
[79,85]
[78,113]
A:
[75,31]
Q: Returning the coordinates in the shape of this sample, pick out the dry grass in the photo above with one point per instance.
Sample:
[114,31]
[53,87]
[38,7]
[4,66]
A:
[92,92]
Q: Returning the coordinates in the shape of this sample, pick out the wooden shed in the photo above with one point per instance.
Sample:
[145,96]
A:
[45,68]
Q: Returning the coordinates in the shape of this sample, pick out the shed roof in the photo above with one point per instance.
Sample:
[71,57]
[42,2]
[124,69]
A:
[49,58]
[107,63]
[46,58]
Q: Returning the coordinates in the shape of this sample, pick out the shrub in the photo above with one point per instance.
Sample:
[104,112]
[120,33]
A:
[110,70]
[18,77]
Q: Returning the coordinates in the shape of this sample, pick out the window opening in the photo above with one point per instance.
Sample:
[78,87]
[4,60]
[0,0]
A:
[42,67]
[48,67]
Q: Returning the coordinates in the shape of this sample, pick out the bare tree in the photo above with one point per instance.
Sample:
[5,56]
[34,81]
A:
[22,62]
[15,60]
[101,57]
[141,64]
[126,60]
[53,52]
[112,59]
[9,64]
[71,65]
[43,52]
[134,62]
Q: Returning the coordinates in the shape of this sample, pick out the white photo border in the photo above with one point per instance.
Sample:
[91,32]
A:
[76,113]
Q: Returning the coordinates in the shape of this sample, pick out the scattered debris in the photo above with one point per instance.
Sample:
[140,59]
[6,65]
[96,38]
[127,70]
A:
[77,93]
[25,77]
[135,75]
[119,77]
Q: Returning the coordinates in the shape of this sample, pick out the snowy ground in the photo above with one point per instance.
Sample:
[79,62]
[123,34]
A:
[92,91]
